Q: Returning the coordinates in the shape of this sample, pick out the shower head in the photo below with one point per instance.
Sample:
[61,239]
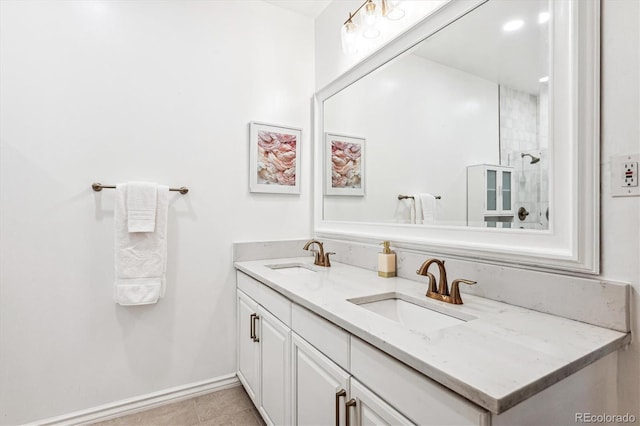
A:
[534,160]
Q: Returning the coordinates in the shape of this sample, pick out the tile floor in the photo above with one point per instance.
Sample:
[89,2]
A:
[226,407]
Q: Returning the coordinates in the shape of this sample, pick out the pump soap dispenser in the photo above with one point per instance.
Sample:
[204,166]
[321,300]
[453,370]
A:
[386,262]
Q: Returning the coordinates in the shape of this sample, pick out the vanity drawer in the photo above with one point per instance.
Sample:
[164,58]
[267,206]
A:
[328,338]
[270,299]
[421,399]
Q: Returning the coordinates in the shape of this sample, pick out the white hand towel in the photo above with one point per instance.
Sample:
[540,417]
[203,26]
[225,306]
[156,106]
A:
[417,203]
[140,257]
[426,204]
[141,206]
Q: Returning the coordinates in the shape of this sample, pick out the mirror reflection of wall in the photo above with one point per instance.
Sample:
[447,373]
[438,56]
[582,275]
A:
[471,94]
[420,149]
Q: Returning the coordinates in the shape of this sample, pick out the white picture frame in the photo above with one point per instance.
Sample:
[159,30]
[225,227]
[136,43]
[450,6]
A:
[344,165]
[274,158]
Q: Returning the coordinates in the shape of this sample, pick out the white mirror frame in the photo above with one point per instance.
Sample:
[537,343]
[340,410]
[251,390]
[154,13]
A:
[572,241]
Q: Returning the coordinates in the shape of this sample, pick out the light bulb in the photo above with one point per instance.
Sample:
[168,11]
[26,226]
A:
[370,13]
[349,35]
[369,19]
[395,12]
[513,25]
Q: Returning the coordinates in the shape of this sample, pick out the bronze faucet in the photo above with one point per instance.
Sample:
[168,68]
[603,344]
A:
[442,291]
[321,258]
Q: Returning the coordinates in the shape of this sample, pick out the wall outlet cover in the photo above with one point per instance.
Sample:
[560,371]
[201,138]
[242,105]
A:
[624,175]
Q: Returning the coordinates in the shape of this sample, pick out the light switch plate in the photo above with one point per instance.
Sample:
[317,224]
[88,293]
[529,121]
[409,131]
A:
[624,175]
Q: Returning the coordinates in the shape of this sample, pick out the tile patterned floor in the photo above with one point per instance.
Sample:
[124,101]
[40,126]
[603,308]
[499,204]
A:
[226,407]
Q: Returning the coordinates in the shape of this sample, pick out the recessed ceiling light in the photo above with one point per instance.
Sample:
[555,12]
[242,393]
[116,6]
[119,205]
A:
[544,79]
[543,17]
[513,25]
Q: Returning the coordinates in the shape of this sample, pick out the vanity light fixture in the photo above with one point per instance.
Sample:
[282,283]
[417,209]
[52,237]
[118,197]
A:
[543,17]
[516,24]
[370,25]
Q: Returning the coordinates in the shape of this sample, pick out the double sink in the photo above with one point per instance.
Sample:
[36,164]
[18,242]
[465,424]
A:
[417,315]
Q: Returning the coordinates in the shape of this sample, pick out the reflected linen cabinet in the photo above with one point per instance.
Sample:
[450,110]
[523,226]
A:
[490,196]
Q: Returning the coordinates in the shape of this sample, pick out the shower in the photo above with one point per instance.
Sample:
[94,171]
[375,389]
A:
[534,159]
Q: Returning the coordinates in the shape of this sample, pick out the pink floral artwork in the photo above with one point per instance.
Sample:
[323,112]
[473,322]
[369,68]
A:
[276,162]
[346,164]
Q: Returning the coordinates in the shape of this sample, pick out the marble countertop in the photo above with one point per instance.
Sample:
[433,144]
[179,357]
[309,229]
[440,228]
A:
[500,357]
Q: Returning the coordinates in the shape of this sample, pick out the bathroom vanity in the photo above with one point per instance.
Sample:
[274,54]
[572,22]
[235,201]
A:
[342,345]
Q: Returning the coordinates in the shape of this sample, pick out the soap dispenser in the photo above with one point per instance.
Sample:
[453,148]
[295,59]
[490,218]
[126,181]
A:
[386,262]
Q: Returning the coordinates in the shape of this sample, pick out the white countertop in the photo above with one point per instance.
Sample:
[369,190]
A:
[502,357]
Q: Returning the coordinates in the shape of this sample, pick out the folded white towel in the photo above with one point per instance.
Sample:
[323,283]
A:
[141,206]
[425,208]
[140,257]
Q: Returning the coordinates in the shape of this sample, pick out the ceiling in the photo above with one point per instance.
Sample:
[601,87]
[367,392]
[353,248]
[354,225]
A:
[477,44]
[310,8]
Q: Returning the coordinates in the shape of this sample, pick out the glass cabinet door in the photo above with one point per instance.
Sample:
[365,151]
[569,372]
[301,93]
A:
[492,192]
[506,191]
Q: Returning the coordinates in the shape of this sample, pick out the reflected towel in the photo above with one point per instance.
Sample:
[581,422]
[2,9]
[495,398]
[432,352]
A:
[140,257]
[425,208]
[141,206]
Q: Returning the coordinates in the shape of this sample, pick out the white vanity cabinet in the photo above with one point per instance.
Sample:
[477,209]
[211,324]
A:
[416,396]
[325,394]
[300,369]
[320,387]
[264,350]
[490,196]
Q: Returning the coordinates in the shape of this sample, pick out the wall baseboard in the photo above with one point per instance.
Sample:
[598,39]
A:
[141,403]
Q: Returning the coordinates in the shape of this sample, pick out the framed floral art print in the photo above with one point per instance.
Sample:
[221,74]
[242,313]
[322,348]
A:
[344,165]
[274,158]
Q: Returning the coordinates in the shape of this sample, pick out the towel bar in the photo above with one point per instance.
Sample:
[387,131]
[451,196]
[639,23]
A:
[99,187]
[403,197]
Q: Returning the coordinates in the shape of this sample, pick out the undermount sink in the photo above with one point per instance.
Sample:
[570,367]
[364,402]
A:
[293,268]
[421,316]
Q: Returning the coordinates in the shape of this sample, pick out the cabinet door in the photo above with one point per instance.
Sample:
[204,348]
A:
[491,186]
[320,387]
[275,343]
[506,193]
[248,347]
[370,410]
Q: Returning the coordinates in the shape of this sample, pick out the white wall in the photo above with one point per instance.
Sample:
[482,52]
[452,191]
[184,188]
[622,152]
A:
[424,123]
[620,217]
[112,91]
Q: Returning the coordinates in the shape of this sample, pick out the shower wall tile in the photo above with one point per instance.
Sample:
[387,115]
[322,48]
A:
[523,124]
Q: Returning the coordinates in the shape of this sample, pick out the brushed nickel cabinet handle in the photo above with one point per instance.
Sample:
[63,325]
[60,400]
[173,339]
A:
[339,395]
[350,403]
[253,321]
